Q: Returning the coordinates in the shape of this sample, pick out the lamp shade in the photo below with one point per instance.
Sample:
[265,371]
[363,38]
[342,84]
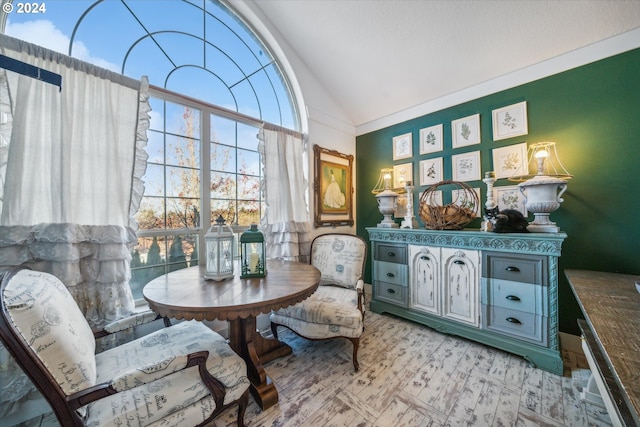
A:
[219,241]
[543,160]
[252,253]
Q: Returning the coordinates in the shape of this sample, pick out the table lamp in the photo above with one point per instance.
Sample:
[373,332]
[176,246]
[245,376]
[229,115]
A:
[219,241]
[543,188]
[386,197]
[252,254]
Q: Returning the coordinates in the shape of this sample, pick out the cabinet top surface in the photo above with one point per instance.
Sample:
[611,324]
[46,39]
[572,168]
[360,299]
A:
[611,306]
[534,243]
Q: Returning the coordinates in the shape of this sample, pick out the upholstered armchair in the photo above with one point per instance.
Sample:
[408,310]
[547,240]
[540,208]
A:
[182,375]
[336,309]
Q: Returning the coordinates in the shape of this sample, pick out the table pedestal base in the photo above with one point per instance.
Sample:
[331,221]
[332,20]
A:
[256,350]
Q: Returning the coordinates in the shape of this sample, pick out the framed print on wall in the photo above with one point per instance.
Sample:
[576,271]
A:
[510,160]
[466,166]
[465,131]
[510,121]
[510,197]
[463,199]
[431,139]
[333,188]
[431,171]
[402,146]
[401,174]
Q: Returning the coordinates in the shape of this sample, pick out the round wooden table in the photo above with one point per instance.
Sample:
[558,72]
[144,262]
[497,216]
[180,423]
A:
[185,294]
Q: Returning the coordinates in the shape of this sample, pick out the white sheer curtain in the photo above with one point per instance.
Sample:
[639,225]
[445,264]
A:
[285,224]
[71,163]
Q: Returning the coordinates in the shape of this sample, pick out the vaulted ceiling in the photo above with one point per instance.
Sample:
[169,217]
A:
[378,57]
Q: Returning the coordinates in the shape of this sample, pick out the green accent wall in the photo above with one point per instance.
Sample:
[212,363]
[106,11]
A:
[593,114]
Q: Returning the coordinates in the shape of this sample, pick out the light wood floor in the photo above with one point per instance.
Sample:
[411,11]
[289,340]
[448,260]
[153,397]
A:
[411,375]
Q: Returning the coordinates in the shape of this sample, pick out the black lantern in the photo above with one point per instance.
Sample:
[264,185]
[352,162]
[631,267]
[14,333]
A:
[252,254]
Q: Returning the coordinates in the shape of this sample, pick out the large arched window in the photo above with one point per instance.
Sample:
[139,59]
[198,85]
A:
[213,83]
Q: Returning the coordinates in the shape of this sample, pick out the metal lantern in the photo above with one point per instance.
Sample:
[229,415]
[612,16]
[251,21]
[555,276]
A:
[252,254]
[219,240]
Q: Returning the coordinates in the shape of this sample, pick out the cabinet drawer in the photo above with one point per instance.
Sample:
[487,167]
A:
[390,292]
[525,297]
[518,324]
[391,253]
[390,272]
[514,267]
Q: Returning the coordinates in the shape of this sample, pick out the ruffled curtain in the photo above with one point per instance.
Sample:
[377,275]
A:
[285,224]
[71,167]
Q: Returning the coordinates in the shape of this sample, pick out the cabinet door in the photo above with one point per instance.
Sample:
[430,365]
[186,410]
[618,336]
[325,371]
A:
[461,276]
[424,265]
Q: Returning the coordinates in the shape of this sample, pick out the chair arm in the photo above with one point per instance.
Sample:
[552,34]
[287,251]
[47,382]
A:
[361,296]
[129,322]
[149,374]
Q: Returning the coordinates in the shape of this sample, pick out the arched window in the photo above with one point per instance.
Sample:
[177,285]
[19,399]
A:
[213,83]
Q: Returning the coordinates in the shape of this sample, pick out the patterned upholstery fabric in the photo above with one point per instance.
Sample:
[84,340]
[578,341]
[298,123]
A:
[329,312]
[147,371]
[339,258]
[52,323]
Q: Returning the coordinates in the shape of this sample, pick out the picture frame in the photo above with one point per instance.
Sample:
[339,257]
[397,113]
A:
[333,188]
[431,139]
[431,171]
[465,131]
[401,174]
[403,146]
[510,121]
[510,160]
[466,166]
[460,197]
[510,197]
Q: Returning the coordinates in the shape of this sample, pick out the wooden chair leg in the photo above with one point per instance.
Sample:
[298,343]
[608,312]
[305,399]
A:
[242,407]
[274,330]
[356,344]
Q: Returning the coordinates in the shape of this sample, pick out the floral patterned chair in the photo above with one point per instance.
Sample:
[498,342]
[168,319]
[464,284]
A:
[182,375]
[336,309]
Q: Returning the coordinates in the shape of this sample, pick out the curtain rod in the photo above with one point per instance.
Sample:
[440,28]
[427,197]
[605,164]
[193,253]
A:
[31,71]
[230,114]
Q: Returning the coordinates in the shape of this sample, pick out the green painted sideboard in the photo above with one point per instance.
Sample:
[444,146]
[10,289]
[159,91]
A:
[500,289]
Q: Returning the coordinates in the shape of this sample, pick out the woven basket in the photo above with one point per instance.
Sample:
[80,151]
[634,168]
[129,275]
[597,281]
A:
[453,216]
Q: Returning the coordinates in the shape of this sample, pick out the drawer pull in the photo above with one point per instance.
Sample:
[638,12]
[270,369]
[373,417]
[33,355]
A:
[391,254]
[513,320]
[391,291]
[424,258]
[512,298]
[391,275]
[514,269]
[458,262]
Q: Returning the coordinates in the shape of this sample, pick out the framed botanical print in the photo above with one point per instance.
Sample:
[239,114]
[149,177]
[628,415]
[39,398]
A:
[431,139]
[462,198]
[465,131]
[510,121]
[466,166]
[431,171]
[510,160]
[402,146]
[332,187]
[401,174]
[510,197]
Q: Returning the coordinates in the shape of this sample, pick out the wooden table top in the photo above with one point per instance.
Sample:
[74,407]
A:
[611,306]
[185,294]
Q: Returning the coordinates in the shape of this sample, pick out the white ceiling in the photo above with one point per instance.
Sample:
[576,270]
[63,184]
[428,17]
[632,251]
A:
[378,57]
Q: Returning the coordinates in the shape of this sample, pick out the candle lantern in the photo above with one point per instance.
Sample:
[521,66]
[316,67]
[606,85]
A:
[252,254]
[219,240]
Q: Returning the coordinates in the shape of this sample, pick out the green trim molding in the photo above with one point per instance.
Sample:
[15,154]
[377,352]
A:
[591,112]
